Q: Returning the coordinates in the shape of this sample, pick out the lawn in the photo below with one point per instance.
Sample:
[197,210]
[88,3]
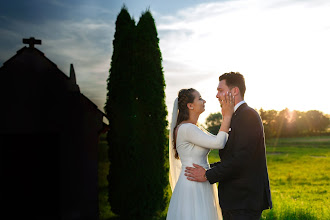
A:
[299,172]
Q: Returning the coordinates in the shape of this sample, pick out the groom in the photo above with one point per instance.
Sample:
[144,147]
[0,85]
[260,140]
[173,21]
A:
[242,174]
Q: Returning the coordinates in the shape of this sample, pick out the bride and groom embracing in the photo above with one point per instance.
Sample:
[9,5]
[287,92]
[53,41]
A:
[242,174]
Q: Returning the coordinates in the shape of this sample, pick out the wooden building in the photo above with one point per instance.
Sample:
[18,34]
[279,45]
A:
[49,133]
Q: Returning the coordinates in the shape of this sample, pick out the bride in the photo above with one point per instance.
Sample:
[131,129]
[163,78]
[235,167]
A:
[189,144]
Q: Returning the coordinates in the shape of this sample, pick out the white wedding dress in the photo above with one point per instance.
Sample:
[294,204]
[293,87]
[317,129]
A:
[194,200]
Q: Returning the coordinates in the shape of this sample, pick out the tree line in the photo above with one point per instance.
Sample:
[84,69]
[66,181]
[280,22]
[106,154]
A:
[284,123]
[136,109]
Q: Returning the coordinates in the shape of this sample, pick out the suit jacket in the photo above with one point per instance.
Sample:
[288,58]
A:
[242,173]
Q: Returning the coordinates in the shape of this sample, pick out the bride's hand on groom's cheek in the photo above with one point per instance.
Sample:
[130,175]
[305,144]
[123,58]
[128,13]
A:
[227,104]
[196,173]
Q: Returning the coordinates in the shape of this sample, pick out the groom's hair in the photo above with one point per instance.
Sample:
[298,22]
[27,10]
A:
[234,79]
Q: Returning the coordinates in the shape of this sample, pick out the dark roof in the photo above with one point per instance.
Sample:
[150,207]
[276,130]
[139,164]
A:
[63,75]
[19,52]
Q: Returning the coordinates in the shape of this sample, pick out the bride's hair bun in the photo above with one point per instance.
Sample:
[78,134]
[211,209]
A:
[185,96]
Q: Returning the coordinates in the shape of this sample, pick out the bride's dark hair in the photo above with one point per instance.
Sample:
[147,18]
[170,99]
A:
[185,96]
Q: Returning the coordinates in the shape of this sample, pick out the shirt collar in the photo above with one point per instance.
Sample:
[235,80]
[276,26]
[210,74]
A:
[238,105]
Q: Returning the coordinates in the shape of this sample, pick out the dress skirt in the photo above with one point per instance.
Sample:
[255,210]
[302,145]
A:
[194,201]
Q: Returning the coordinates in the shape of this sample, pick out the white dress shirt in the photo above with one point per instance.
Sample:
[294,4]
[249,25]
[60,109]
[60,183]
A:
[238,105]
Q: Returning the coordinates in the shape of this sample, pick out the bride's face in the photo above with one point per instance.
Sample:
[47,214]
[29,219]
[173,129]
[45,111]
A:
[199,104]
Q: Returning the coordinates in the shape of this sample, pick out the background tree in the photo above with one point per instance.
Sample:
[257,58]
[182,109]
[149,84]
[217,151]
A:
[316,121]
[283,123]
[118,107]
[213,122]
[151,123]
[269,122]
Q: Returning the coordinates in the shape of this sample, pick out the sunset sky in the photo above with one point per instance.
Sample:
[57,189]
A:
[282,47]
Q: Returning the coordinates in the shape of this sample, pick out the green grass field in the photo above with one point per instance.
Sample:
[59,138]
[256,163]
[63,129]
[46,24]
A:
[299,172]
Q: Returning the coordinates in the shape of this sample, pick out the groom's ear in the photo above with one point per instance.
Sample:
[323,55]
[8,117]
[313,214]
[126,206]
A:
[235,91]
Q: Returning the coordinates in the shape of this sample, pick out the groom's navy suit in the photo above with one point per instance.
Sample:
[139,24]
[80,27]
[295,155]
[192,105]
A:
[242,173]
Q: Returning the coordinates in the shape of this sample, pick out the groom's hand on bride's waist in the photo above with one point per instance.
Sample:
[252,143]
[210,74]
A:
[196,173]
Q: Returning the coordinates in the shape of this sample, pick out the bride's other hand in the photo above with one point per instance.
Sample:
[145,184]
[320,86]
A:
[227,105]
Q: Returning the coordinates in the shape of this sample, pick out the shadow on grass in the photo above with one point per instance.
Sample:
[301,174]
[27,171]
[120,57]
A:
[288,214]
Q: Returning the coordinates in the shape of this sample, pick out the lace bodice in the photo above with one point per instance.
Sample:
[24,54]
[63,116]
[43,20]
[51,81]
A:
[193,144]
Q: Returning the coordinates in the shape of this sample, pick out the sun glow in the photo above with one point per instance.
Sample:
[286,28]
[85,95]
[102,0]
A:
[291,115]
[280,50]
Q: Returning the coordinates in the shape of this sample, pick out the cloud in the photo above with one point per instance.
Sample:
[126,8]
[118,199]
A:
[59,3]
[87,45]
[277,45]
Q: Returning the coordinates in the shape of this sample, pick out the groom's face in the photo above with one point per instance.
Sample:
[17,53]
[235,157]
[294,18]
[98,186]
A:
[222,90]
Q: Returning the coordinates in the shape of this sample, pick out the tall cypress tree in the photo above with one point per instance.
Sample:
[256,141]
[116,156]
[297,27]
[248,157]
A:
[118,107]
[138,176]
[150,107]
